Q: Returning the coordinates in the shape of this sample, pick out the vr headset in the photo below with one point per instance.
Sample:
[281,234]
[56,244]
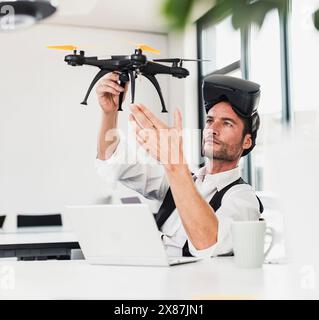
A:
[243,96]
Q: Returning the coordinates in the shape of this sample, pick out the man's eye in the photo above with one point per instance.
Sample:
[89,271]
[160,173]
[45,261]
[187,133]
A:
[208,121]
[228,124]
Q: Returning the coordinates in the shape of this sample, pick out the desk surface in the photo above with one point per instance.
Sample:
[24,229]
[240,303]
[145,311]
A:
[215,278]
[37,242]
[37,236]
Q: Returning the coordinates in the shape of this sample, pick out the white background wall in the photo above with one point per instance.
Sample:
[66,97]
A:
[47,139]
[185,94]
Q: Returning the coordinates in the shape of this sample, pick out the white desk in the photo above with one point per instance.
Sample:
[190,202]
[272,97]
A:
[215,278]
[39,243]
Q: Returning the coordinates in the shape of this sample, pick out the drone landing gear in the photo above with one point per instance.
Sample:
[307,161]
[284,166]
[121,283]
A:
[95,80]
[123,79]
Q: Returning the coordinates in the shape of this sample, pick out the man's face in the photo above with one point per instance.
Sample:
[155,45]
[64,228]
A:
[223,134]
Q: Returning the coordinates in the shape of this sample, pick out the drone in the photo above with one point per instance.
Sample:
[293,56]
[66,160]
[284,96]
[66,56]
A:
[129,68]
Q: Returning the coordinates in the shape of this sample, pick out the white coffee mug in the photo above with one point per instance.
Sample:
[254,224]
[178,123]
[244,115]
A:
[249,242]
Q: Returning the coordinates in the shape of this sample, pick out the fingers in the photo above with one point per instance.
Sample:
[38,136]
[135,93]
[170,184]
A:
[126,86]
[111,76]
[157,123]
[140,141]
[103,89]
[178,123]
[140,117]
[142,134]
[109,84]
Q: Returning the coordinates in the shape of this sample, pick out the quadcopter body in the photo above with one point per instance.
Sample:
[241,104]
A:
[129,68]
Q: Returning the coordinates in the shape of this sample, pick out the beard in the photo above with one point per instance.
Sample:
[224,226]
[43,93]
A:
[222,151]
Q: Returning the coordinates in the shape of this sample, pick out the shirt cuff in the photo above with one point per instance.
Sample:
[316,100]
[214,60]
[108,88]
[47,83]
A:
[204,253]
[221,247]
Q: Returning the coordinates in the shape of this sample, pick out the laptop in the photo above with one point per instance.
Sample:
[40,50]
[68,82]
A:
[120,234]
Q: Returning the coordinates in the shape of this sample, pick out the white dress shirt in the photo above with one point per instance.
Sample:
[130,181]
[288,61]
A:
[149,179]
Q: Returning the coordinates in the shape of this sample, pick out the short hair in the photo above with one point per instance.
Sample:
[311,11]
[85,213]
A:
[247,124]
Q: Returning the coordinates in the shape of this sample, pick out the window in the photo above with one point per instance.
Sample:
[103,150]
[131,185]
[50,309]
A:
[265,58]
[219,44]
[305,64]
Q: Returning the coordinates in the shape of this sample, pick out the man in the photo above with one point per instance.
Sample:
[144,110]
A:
[197,210]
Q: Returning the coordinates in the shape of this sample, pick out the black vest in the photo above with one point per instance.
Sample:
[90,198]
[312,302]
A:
[168,206]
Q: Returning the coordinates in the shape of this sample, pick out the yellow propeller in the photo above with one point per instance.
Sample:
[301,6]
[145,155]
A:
[67,47]
[71,47]
[145,47]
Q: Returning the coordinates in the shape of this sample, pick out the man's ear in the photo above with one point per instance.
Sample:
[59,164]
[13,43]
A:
[247,141]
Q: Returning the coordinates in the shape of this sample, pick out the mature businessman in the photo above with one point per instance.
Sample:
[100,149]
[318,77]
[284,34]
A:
[196,209]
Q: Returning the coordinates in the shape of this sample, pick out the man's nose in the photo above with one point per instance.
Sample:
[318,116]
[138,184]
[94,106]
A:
[215,128]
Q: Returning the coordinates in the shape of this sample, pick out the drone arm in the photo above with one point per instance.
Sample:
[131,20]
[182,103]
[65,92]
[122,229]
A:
[100,74]
[158,89]
[157,68]
[152,68]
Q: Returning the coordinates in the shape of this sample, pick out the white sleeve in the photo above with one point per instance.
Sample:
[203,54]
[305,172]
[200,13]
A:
[238,204]
[135,169]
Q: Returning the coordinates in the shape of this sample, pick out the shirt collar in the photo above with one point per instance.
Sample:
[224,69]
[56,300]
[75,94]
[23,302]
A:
[221,179]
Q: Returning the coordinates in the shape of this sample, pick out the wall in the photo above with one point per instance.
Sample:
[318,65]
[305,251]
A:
[184,94]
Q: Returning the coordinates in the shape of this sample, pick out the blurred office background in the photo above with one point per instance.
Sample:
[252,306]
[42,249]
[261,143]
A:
[48,140]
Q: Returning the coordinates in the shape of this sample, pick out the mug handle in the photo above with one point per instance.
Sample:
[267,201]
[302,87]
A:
[270,232]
